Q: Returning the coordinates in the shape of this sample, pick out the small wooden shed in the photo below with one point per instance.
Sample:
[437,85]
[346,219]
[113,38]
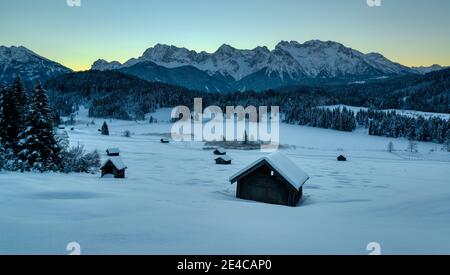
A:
[113,152]
[223,160]
[219,152]
[114,166]
[341,158]
[272,179]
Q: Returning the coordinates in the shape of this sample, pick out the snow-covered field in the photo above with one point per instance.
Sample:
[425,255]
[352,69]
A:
[175,200]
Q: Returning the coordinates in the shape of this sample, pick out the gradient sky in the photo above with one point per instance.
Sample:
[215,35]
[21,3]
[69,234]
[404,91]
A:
[412,32]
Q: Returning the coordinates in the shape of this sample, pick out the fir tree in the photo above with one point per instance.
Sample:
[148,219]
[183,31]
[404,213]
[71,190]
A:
[21,98]
[2,92]
[39,149]
[105,130]
[2,157]
[245,137]
[12,120]
[447,140]
[8,160]
[390,147]
[412,146]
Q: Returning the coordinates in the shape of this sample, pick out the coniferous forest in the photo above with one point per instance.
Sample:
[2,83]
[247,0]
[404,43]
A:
[28,115]
[116,95]
[28,141]
[391,124]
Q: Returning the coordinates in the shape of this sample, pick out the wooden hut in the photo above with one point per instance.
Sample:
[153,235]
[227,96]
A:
[164,140]
[114,166]
[341,158]
[219,152]
[223,160]
[272,179]
[113,152]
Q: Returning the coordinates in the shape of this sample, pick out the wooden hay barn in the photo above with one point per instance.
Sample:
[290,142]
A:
[219,152]
[114,166]
[113,152]
[341,158]
[223,160]
[272,179]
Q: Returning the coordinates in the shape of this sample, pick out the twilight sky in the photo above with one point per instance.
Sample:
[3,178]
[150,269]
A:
[412,32]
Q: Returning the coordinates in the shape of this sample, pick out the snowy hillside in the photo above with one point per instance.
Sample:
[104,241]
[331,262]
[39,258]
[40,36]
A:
[175,200]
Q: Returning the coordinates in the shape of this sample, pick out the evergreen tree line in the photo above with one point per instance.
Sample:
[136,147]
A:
[113,95]
[27,137]
[336,119]
[428,93]
[391,124]
[116,95]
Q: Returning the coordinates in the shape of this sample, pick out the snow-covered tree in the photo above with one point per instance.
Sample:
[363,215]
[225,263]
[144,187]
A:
[2,92]
[412,146]
[9,160]
[39,149]
[2,157]
[76,160]
[13,115]
[126,133]
[447,141]
[245,137]
[390,147]
[63,139]
[105,130]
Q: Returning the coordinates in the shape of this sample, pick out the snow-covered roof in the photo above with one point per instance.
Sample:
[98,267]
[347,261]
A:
[117,162]
[283,165]
[225,158]
[113,150]
[220,150]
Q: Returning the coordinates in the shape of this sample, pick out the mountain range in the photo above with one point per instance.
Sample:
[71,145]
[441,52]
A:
[289,63]
[227,69]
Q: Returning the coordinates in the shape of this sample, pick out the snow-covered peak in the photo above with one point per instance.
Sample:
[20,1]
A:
[17,53]
[168,54]
[103,65]
[226,49]
[432,68]
[332,59]
[262,49]
[325,59]
[31,67]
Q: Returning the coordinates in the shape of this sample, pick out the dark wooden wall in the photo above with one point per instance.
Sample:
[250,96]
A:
[109,168]
[261,186]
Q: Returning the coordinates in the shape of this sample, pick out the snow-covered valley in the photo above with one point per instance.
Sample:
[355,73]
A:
[175,200]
